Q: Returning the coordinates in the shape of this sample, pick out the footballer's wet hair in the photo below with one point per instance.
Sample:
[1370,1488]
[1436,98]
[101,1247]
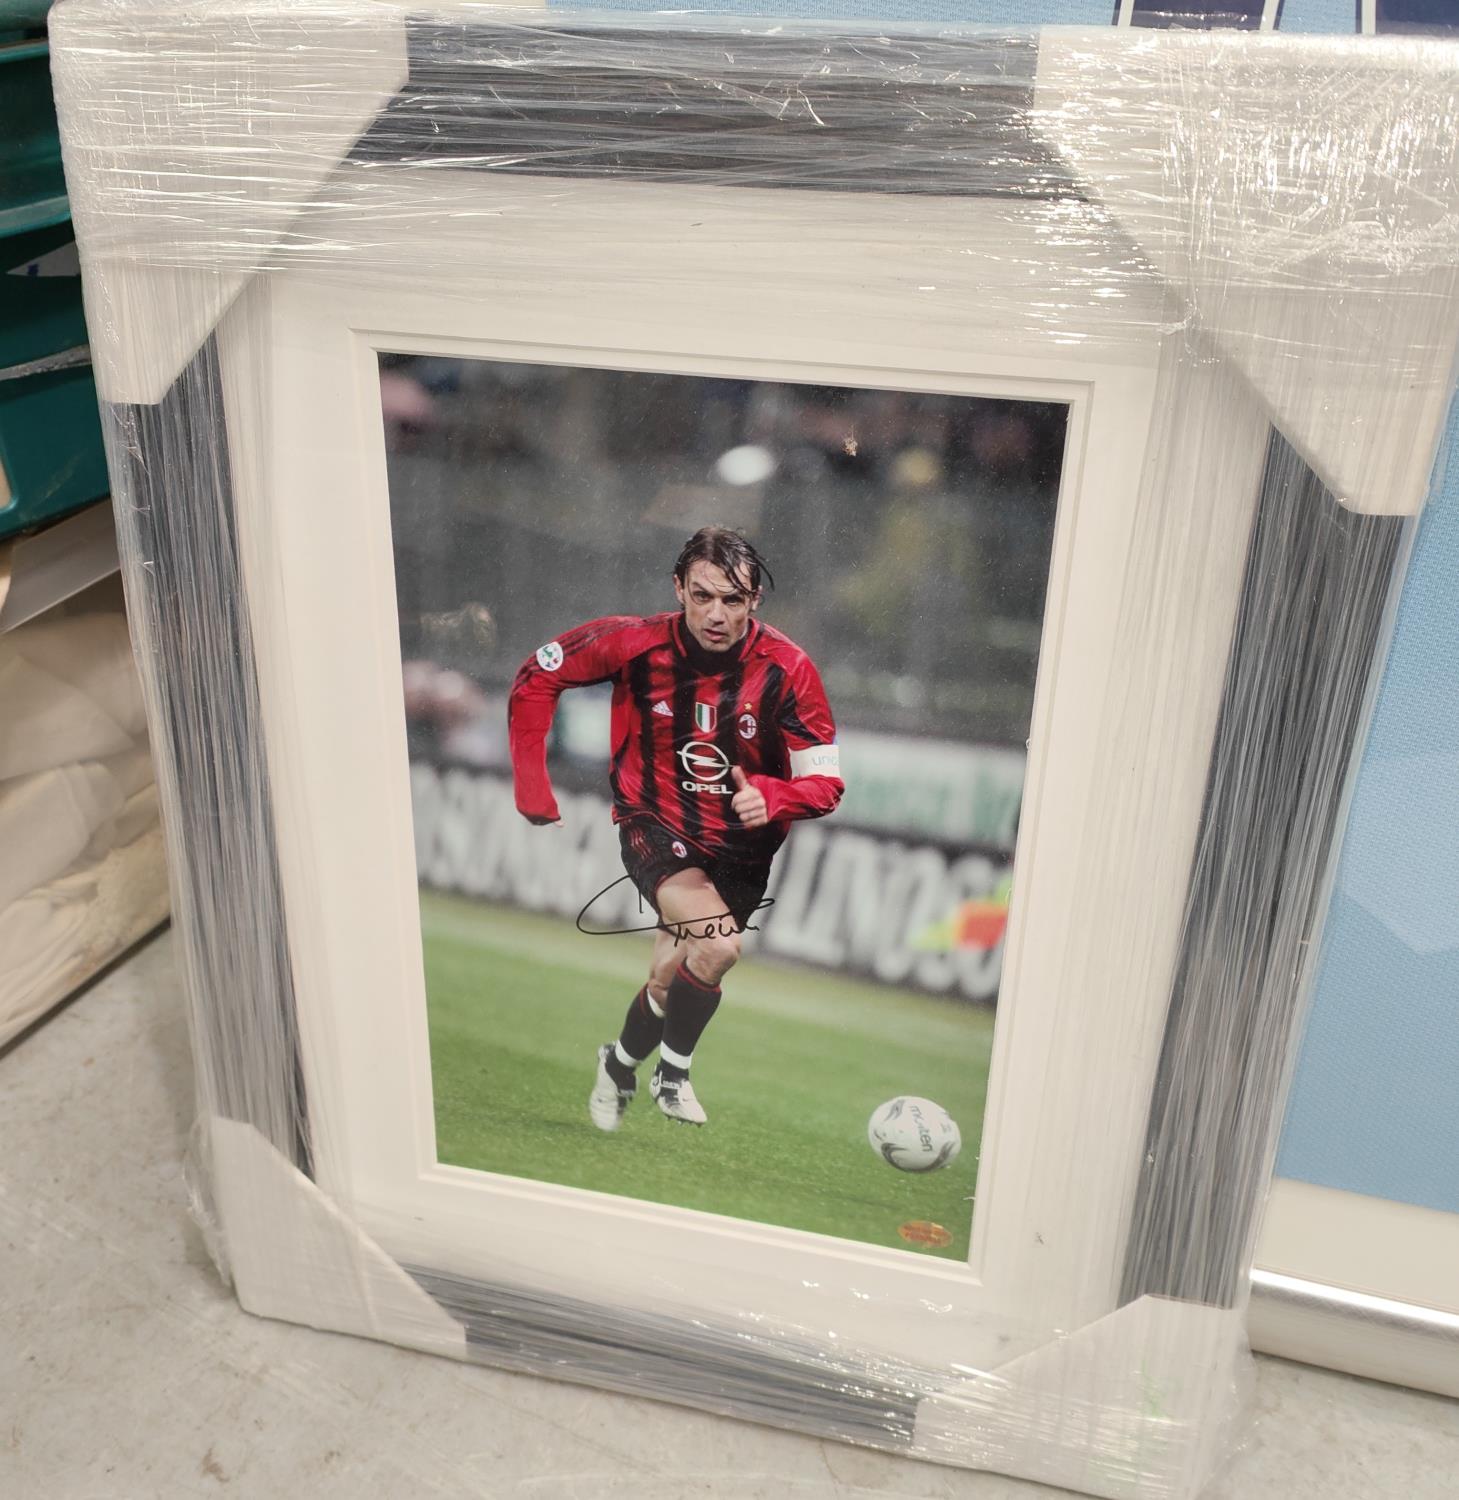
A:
[728,551]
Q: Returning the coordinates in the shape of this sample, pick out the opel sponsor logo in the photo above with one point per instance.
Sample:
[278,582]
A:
[706,766]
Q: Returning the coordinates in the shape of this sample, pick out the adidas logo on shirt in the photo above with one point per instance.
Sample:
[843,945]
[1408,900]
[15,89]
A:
[663,708]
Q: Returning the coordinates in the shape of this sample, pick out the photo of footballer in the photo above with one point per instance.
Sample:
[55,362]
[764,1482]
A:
[721,738]
[717,693]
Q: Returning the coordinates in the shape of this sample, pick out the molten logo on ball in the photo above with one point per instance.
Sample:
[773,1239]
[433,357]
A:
[914,1135]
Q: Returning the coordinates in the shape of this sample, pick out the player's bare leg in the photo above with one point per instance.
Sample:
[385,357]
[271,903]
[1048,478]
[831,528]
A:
[699,947]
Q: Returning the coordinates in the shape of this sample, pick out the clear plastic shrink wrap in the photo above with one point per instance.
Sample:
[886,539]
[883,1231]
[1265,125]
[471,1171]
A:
[1080,389]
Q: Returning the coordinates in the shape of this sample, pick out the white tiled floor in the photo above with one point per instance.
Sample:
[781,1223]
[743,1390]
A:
[127,1371]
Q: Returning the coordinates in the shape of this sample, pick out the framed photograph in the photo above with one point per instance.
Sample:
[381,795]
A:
[524,492]
[1357,1283]
[743,668]
[485,490]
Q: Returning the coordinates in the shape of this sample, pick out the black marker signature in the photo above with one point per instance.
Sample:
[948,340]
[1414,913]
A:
[721,924]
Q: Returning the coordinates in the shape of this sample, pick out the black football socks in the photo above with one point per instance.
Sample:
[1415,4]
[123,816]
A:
[689,1007]
[643,1029]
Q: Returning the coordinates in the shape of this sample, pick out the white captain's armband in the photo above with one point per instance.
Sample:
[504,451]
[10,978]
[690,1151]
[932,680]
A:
[816,760]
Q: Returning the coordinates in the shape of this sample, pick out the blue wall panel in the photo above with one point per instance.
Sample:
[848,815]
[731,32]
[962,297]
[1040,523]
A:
[1375,1103]
[1319,16]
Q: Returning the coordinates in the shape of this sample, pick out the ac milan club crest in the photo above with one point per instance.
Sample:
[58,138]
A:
[679,850]
[748,726]
[706,716]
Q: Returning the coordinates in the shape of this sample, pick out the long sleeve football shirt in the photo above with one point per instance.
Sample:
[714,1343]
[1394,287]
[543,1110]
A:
[682,718]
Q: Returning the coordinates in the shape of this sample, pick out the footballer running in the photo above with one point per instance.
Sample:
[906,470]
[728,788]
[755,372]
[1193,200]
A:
[721,738]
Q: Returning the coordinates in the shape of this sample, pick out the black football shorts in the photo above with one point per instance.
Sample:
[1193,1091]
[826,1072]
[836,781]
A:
[651,853]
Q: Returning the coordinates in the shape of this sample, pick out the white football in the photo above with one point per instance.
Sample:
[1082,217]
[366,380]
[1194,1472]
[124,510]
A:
[914,1135]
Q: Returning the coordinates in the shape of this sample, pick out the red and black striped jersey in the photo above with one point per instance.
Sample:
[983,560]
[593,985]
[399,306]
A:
[683,718]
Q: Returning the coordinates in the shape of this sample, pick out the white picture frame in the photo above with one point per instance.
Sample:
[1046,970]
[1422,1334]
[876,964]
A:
[1114,1218]
[1357,1283]
[338,732]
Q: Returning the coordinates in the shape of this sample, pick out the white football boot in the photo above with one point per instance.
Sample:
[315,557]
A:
[609,1102]
[675,1097]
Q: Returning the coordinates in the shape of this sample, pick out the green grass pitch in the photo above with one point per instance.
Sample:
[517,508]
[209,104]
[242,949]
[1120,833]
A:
[793,1064]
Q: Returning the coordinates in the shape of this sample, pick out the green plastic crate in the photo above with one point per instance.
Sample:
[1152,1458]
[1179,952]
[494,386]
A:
[51,458]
